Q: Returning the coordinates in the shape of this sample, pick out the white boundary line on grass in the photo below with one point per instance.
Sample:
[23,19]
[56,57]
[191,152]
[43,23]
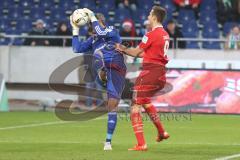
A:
[43,124]
[229,157]
[33,125]
[211,144]
[77,142]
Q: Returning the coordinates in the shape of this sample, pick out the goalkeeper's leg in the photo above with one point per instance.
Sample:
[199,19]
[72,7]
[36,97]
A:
[112,122]
[115,86]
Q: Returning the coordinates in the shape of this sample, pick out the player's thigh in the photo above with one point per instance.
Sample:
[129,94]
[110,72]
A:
[146,86]
[115,83]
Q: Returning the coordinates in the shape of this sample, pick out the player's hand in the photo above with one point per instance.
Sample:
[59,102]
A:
[120,48]
[90,14]
[75,28]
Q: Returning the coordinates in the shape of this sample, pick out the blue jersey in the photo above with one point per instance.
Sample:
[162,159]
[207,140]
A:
[102,44]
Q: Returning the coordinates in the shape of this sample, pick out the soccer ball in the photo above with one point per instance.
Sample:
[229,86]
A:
[79,17]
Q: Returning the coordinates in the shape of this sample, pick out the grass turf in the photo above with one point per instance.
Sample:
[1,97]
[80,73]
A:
[201,137]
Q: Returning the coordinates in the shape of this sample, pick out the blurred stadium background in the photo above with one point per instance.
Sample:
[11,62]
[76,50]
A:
[204,70]
[204,52]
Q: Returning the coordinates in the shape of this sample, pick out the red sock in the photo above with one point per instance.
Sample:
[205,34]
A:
[152,112]
[137,125]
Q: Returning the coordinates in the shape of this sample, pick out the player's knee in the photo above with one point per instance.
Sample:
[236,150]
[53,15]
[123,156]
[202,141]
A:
[135,108]
[112,104]
[147,105]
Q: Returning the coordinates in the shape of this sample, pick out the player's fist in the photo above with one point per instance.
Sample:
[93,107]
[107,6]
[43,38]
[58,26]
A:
[72,23]
[90,14]
[75,28]
[88,11]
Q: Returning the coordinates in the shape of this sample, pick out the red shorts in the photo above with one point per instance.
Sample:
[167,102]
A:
[151,80]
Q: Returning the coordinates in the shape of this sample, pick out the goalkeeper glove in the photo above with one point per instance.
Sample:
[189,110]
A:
[75,28]
[90,14]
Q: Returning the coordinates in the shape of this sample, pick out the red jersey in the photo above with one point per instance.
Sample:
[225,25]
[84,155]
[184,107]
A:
[155,45]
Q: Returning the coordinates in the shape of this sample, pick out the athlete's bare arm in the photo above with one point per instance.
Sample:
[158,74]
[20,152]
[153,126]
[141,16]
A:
[134,52]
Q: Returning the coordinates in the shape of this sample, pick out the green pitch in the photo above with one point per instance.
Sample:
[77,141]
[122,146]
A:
[41,136]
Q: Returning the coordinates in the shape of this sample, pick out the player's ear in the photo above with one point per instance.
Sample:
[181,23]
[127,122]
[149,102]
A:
[154,17]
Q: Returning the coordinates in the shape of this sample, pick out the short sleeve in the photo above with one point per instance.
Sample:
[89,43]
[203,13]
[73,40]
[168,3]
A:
[146,42]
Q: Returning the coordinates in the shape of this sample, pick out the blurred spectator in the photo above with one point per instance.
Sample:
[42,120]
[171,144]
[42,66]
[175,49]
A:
[39,29]
[225,10]
[233,38]
[188,4]
[146,28]
[236,10]
[128,30]
[175,33]
[97,3]
[62,30]
[129,4]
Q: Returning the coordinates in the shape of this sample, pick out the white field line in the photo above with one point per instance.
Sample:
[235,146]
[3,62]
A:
[79,142]
[33,125]
[210,144]
[229,157]
[43,124]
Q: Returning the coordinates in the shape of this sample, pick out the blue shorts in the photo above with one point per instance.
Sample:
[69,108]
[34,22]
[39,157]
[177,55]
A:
[115,71]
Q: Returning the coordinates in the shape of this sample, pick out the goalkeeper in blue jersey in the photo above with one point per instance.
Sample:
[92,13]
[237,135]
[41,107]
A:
[108,63]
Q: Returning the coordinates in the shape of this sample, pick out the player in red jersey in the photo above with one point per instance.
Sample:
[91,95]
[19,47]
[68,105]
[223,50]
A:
[153,50]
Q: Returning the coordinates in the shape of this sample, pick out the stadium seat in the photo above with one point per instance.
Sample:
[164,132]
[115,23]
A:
[4,24]
[121,14]
[16,13]
[211,30]
[207,17]
[168,5]
[186,16]
[46,3]
[58,14]
[208,5]
[7,3]
[190,30]
[87,4]
[18,41]
[140,15]
[227,27]
[110,4]
[37,13]
[2,15]
[24,25]
[26,3]
[211,45]
[192,45]
[4,41]
[13,31]
[66,4]
[147,4]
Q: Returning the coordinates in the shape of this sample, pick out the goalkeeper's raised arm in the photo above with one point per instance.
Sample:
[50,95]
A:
[77,45]
[100,28]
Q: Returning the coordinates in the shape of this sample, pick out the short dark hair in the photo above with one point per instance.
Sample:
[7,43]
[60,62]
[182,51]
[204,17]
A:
[171,21]
[159,12]
[101,17]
